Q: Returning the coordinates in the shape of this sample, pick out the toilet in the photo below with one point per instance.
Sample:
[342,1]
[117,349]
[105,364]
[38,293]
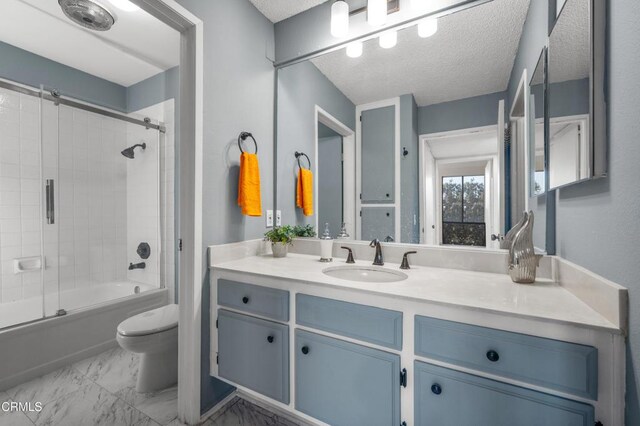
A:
[153,335]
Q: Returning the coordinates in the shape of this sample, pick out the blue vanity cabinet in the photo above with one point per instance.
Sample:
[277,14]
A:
[366,323]
[445,397]
[552,364]
[345,384]
[378,155]
[253,352]
[254,299]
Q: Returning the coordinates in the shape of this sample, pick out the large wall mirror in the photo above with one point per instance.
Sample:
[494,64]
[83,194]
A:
[405,132]
[577,113]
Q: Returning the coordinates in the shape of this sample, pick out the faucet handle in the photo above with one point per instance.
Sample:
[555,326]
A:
[405,260]
[350,255]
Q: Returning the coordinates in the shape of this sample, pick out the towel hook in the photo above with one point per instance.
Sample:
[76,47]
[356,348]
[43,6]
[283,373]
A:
[242,137]
[300,154]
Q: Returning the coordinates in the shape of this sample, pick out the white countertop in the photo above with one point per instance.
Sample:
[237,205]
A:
[472,290]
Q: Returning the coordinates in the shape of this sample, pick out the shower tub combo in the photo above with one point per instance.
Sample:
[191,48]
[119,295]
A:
[81,197]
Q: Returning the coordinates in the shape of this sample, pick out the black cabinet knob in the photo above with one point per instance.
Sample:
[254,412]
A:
[245,300]
[305,350]
[387,195]
[436,388]
[493,356]
[270,339]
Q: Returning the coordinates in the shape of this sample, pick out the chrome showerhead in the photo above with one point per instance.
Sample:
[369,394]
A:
[129,151]
[88,13]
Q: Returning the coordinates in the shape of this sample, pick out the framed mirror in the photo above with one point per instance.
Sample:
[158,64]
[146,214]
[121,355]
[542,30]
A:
[577,109]
[406,132]
[537,146]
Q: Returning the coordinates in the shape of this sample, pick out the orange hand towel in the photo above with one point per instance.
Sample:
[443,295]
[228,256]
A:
[249,198]
[304,192]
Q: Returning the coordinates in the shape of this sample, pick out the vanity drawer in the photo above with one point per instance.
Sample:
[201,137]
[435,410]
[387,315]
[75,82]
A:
[566,367]
[369,324]
[446,397]
[263,301]
[254,353]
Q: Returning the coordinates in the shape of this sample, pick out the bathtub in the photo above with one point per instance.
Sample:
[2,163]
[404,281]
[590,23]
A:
[88,328]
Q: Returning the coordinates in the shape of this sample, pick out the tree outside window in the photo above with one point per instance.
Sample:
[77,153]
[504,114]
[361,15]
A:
[463,221]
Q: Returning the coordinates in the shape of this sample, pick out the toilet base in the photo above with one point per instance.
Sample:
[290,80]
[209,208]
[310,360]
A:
[157,370]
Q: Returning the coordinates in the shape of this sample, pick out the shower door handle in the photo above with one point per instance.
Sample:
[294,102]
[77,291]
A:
[49,198]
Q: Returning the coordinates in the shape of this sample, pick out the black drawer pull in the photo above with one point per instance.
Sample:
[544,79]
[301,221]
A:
[270,339]
[436,388]
[245,300]
[493,356]
[305,350]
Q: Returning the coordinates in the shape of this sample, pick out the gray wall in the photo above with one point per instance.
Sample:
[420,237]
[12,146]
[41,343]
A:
[153,90]
[465,113]
[238,96]
[300,88]
[597,221]
[409,188]
[28,68]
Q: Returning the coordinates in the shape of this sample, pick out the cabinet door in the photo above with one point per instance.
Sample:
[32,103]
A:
[378,222]
[254,353]
[445,397]
[378,155]
[341,383]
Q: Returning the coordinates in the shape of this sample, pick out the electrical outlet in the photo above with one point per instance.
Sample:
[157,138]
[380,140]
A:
[269,218]
[278,218]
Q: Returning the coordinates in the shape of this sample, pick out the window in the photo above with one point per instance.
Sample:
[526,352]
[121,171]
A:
[463,221]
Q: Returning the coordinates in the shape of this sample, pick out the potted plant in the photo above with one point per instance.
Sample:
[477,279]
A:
[280,237]
[306,231]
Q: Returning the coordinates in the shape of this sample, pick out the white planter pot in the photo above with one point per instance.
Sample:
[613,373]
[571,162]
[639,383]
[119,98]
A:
[279,249]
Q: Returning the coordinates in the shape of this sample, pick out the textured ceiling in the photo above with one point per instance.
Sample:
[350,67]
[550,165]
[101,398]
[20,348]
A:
[471,54]
[137,47]
[277,10]
[569,46]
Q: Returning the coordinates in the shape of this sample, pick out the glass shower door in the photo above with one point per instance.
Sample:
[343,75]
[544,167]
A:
[21,192]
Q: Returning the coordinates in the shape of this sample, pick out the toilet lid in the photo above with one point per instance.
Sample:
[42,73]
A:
[153,321]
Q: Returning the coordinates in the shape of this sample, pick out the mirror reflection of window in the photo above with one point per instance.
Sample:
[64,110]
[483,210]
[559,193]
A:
[463,211]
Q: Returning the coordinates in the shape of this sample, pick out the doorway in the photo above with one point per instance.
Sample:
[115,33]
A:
[335,173]
[461,194]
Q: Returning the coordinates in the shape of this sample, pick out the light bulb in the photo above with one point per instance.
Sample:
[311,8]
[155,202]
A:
[388,39]
[376,12]
[427,27]
[125,5]
[339,19]
[354,49]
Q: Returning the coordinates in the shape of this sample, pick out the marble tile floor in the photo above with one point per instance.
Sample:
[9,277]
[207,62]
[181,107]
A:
[101,391]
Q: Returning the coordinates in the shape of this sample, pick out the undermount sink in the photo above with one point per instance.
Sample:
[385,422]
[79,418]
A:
[371,274]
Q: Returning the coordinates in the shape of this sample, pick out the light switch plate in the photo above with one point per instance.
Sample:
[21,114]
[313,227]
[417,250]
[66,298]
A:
[278,218]
[269,218]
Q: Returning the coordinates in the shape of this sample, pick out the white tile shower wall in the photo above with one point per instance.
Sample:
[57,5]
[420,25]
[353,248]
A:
[91,200]
[164,112]
[19,192]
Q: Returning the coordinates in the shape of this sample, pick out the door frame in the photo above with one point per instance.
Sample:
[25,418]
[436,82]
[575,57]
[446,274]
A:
[519,123]
[189,198]
[348,168]
[397,198]
[430,185]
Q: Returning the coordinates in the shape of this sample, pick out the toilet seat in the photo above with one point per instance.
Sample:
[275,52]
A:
[150,322]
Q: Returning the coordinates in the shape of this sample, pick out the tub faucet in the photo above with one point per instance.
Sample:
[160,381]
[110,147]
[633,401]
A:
[140,265]
[377,260]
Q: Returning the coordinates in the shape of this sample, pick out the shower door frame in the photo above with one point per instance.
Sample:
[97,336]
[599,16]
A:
[188,199]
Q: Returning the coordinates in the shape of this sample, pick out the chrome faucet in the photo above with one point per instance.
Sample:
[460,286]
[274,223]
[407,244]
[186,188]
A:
[377,260]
